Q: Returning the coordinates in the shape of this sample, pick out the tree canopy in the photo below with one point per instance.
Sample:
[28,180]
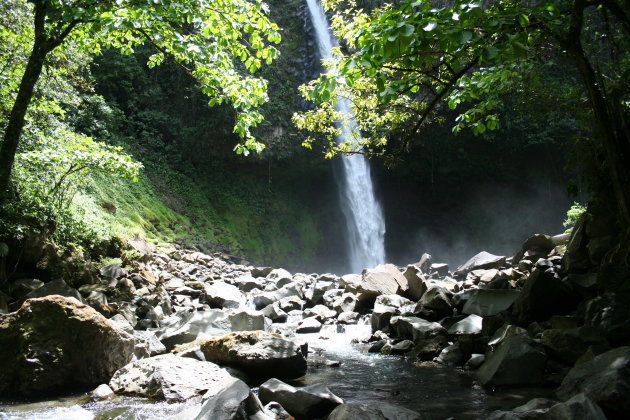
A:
[217,41]
[402,66]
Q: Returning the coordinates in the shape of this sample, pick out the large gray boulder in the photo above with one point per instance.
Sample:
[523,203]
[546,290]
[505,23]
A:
[54,344]
[169,377]
[543,295]
[233,402]
[185,327]
[580,407]
[374,282]
[605,379]
[518,360]
[489,302]
[55,287]
[416,281]
[379,411]
[437,300]
[313,401]
[220,294]
[416,329]
[261,354]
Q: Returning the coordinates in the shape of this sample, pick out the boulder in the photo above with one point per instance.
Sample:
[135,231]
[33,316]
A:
[43,348]
[436,300]
[55,287]
[344,303]
[488,302]
[417,282]
[348,317]
[579,407]
[451,355]
[544,294]
[482,260]
[505,365]
[605,379]
[259,353]
[149,340]
[169,377]
[219,294]
[113,271]
[568,345]
[235,401]
[414,328]
[308,325]
[611,313]
[101,393]
[184,327]
[472,324]
[378,411]
[439,270]
[373,283]
[313,401]
[320,312]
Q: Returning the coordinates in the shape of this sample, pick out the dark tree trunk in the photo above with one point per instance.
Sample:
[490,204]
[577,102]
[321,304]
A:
[18,116]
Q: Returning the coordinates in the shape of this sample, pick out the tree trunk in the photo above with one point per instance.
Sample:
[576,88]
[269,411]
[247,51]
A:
[17,118]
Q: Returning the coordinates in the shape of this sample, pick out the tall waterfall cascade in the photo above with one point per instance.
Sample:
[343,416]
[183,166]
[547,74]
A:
[363,213]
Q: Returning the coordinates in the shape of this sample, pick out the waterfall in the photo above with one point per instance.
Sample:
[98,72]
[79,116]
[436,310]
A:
[363,214]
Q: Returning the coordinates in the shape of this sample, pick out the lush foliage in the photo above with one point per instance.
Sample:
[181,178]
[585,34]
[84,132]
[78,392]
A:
[573,214]
[406,65]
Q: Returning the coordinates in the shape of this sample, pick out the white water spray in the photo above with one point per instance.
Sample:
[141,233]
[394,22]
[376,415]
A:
[364,216]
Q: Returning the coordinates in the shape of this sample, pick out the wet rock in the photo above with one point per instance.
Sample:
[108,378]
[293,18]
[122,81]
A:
[543,295]
[436,300]
[344,303]
[312,401]
[278,411]
[579,407]
[504,366]
[274,313]
[320,312]
[259,353]
[415,328]
[348,317]
[472,324]
[222,295]
[611,313]
[308,325]
[235,401]
[605,379]
[417,282]
[55,287]
[567,345]
[184,327]
[402,347]
[380,411]
[451,355]
[476,360]
[43,348]
[101,393]
[482,260]
[169,377]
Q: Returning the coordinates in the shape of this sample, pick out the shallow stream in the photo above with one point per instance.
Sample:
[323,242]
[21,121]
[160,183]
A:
[438,392]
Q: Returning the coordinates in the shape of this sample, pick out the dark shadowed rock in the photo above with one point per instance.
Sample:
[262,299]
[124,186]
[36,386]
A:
[518,360]
[415,328]
[568,345]
[169,377]
[56,344]
[233,402]
[259,353]
[605,378]
[312,401]
[417,282]
[380,411]
[580,407]
[488,302]
[544,294]
[55,287]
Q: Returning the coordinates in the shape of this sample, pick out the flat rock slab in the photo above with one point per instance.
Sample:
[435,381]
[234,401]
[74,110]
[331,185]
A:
[482,260]
[488,302]
[169,377]
[56,344]
[312,401]
[259,353]
[518,360]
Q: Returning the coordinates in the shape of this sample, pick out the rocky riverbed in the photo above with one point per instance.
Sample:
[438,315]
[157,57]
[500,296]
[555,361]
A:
[220,340]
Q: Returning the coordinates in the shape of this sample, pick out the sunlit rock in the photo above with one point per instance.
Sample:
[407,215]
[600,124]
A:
[258,353]
[482,260]
[472,324]
[313,401]
[308,325]
[55,344]
[234,401]
[169,377]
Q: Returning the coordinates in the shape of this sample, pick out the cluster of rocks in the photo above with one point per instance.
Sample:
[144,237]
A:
[179,325]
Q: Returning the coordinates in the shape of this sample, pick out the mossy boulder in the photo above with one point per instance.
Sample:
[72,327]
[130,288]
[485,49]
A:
[258,353]
[55,344]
